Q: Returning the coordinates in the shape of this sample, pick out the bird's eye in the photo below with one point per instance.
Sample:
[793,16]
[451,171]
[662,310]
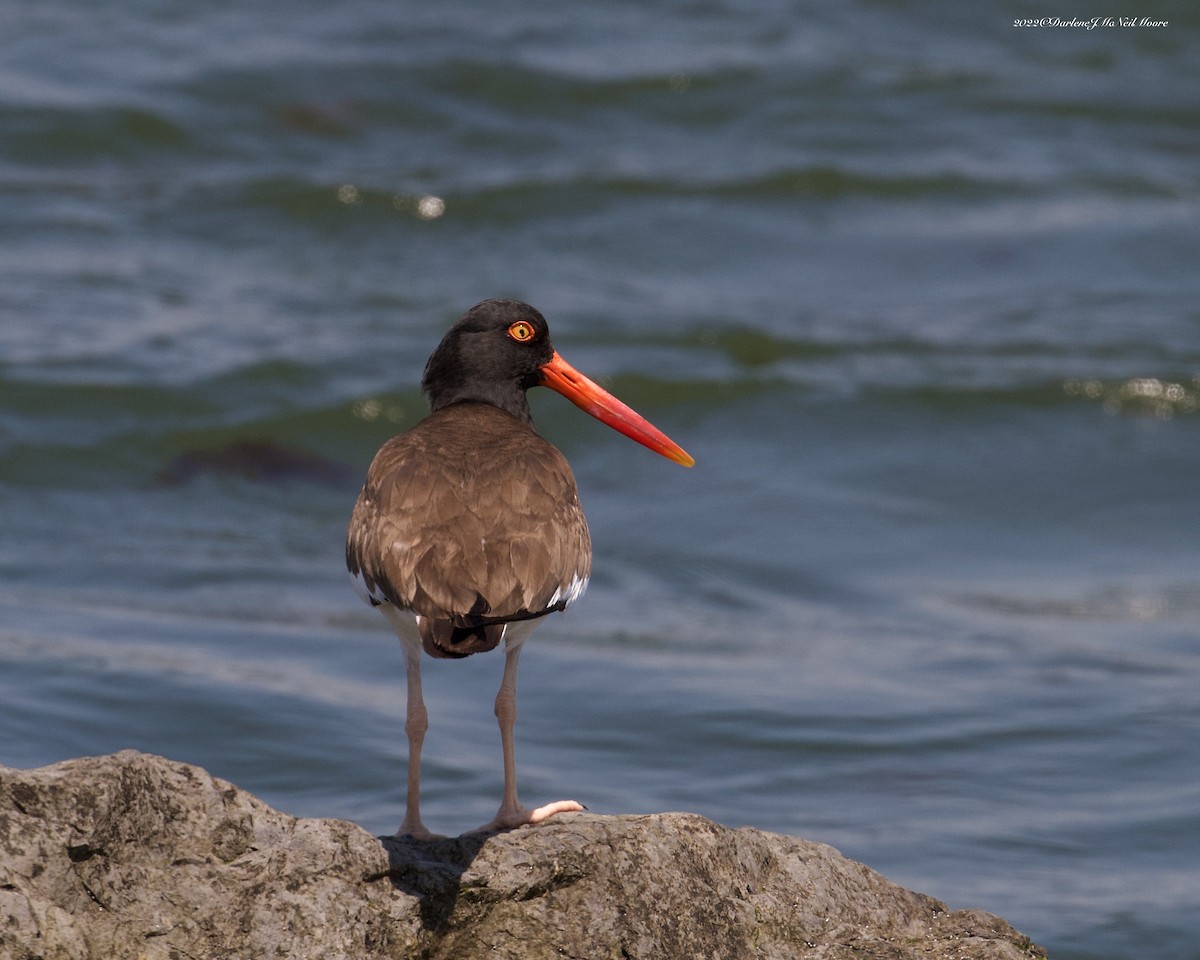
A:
[521,331]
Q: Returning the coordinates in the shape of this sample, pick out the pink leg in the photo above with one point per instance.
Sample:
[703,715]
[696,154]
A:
[416,720]
[511,813]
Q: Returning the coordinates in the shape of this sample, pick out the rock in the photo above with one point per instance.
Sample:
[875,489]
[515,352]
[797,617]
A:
[134,856]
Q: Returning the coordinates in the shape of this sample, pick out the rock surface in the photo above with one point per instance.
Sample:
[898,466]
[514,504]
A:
[134,856]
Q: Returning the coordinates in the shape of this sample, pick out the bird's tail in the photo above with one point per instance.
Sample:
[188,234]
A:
[444,640]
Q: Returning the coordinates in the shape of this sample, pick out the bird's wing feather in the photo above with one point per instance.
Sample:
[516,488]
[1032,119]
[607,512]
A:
[479,517]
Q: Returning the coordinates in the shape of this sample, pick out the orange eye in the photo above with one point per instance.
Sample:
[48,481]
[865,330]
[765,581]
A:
[521,331]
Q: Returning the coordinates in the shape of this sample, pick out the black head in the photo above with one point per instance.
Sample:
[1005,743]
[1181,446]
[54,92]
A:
[492,354]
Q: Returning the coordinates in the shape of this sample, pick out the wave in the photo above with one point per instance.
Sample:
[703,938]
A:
[57,135]
[256,428]
[522,197]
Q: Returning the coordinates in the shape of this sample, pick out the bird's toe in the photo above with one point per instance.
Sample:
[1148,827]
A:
[510,819]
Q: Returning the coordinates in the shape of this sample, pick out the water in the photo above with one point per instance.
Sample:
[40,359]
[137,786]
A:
[917,288]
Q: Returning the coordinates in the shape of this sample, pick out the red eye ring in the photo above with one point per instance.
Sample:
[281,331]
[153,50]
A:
[522,331]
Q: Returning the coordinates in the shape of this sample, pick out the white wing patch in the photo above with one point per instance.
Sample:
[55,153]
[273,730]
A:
[373,597]
[573,592]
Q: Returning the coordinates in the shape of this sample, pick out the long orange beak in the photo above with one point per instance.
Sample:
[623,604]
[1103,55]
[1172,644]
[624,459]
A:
[592,398]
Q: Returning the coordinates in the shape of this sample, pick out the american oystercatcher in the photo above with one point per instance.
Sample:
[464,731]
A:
[468,529]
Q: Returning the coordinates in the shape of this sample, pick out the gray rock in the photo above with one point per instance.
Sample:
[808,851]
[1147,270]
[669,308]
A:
[134,856]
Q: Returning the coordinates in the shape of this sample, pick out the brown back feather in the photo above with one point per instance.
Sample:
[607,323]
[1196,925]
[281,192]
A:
[468,519]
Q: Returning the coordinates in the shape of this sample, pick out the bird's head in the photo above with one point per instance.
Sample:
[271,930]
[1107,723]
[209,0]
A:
[500,348]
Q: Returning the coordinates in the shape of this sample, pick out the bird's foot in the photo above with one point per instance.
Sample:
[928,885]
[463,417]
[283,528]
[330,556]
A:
[512,817]
[416,831]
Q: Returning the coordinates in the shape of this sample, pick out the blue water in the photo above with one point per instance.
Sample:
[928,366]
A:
[917,288]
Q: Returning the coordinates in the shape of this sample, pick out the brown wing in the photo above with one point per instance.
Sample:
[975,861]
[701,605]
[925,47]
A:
[470,517]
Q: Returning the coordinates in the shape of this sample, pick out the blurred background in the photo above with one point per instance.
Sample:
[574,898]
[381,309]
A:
[916,287]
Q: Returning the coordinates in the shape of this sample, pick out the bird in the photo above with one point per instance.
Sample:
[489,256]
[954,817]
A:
[468,530]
